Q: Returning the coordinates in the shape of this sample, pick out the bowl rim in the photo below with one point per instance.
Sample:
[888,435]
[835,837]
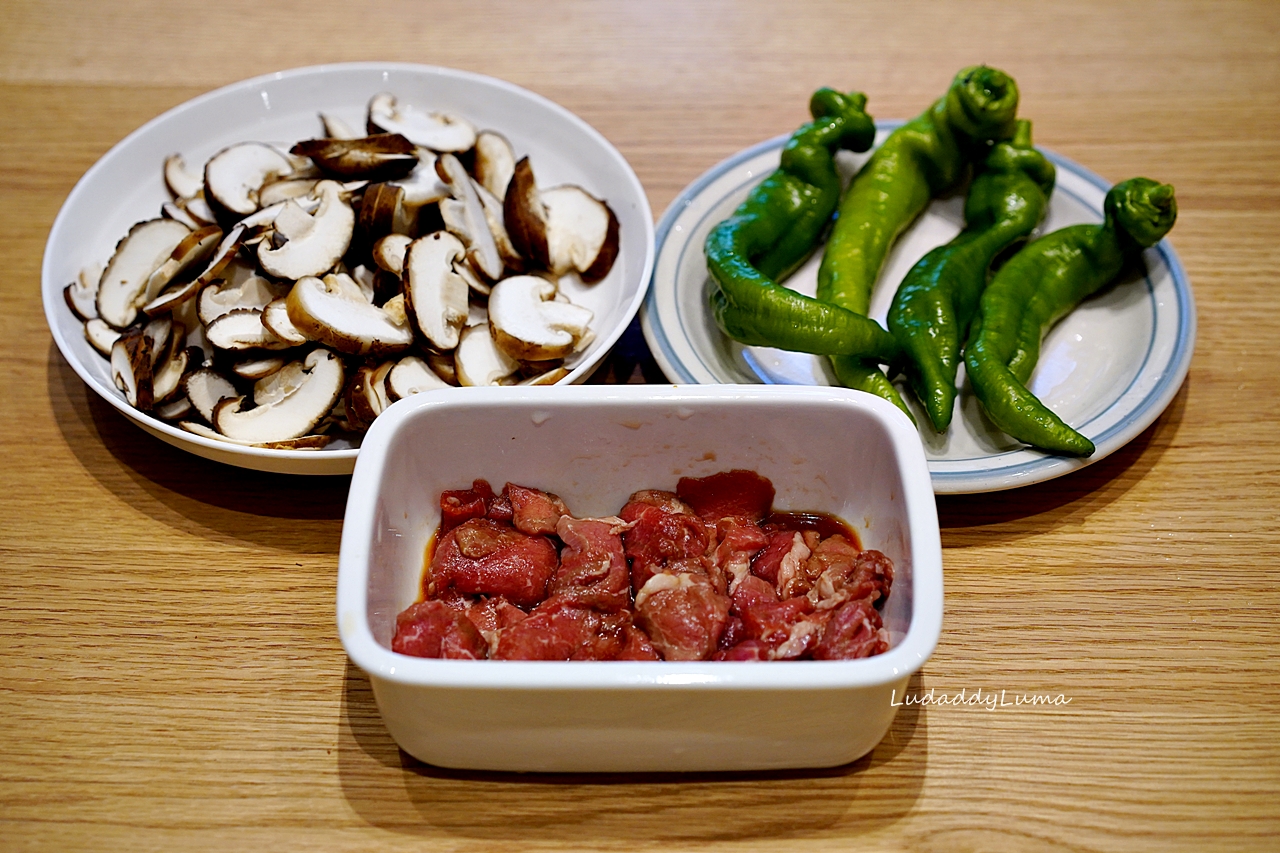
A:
[893,666]
[262,458]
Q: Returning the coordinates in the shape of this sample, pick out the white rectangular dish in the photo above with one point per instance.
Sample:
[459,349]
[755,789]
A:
[825,449]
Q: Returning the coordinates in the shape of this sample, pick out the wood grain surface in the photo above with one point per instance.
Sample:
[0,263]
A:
[170,673]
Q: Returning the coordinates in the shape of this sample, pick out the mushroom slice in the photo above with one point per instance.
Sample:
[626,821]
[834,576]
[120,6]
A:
[411,375]
[337,128]
[253,292]
[380,157]
[233,176]
[422,186]
[302,442]
[443,365]
[478,360]
[561,229]
[100,335]
[464,216]
[172,410]
[435,295]
[257,368]
[298,409]
[389,252]
[180,180]
[549,377]
[366,396]
[195,248]
[82,294]
[169,210]
[321,247]
[283,190]
[205,388]
[337,314]
[529,325]
[525,216]
[222,256]
[495,162]
[198,209]
[582,232]
[275,316]
[242,329]
[160,332]
[167,380]
[437,131]
[496,220]
[123,286]
[381,212]
[131,368]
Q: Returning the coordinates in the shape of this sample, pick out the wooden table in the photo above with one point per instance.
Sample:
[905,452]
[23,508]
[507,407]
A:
[170,673]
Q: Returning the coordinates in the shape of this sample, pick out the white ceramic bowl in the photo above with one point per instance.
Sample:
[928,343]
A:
[825,449]
[126,186]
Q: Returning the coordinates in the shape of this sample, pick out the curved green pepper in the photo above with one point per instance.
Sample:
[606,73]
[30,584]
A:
[1039,285]
[936,300]
[777,227]
[919,160]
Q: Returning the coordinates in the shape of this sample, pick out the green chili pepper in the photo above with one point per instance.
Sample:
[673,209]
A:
[936,300]
[1039,285]
[921,159]
[777,227]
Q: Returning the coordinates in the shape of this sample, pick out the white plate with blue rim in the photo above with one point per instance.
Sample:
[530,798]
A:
[1109,368]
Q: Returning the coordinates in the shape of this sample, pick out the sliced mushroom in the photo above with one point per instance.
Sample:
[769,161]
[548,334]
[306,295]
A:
[82,294]
[495,162]
[100,335]
[437,131]
[175,409]
[435,295]
[170,299]
[382,213]
[240,330]
[411,375]
[549,377]
[339,316]
[131,367]
[479,361]
[180,180]
[389,252]
[167,381]
[561,229]
[258,368]
[464,216]
[443,365]
[160,332]
[422,186]
[275,316]
[336,128]
[171,210]
[322,246]
[198,209]
[205,388]
[233,176]
[529,325]
[582,232]
[294,414]
[380,157]
[195,248]
[302,442]
[122,289]
[365,397]
[278,191]
[252,291]
[496,220]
